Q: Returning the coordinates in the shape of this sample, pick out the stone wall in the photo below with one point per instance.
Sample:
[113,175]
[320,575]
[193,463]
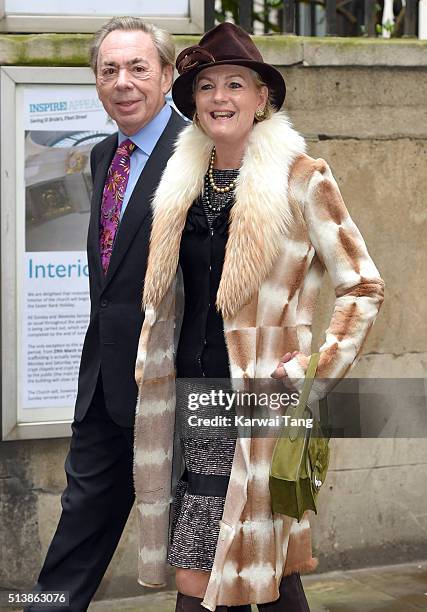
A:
[361,105]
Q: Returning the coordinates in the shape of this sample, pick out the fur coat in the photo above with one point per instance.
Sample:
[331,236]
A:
[287,225]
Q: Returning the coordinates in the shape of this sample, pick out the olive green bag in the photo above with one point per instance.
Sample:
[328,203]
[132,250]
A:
[301,457]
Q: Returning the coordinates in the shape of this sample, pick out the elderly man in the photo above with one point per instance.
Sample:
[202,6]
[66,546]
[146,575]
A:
[133,63]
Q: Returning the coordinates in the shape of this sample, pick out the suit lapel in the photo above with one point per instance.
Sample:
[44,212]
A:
[98,186]
[139,205]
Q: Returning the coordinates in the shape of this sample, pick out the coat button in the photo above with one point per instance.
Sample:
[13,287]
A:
[104,303]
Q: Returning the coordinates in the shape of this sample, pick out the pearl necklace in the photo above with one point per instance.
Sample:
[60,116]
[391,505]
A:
[212,206]
[217,189]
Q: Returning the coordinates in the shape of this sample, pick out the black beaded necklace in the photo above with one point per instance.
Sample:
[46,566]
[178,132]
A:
[218,192]
[215,202]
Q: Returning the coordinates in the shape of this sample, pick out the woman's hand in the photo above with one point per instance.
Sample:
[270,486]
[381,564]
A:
[279,372]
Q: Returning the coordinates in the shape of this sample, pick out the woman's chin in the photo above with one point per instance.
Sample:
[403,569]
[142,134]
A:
[222,127]
[224,133]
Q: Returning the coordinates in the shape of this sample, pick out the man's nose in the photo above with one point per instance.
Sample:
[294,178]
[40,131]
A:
[123,79]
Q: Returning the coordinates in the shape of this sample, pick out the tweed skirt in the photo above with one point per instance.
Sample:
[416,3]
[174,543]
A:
[195,518]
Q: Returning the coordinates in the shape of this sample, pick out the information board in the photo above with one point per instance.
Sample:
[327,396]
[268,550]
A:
[48,131]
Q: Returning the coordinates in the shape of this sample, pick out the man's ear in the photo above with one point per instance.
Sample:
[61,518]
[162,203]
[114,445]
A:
[167,78]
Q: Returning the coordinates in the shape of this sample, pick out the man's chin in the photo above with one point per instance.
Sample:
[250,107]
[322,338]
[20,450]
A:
[131,124]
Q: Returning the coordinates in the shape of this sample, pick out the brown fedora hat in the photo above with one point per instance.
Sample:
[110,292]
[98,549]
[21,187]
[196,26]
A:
[224,44]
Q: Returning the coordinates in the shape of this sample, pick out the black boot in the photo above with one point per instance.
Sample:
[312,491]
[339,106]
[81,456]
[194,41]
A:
[187,603]
[292,597]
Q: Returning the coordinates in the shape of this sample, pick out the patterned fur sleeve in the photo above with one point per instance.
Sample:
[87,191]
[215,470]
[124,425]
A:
[359,289]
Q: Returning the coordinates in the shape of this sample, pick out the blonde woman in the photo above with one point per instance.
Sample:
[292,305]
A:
[244,223]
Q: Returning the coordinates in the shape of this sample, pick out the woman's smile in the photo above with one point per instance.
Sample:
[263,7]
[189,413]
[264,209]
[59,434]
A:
[222,115]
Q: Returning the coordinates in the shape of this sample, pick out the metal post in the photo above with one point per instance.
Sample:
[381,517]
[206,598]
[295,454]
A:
[331,18]
[370,13]
[410,23]
[245,15]
[298,17]
[209,14]
[288,26]
[312,18]
[357,8]
[266,16]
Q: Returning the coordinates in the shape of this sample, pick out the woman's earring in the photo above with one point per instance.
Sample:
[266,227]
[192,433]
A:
[260,114]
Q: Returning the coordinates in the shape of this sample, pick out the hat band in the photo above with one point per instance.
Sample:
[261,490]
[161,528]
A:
[193,58]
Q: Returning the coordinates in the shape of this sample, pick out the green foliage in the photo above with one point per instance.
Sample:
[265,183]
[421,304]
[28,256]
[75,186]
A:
[230,8]
[388,26]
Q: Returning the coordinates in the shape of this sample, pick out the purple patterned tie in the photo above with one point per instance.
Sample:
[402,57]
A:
[112,199]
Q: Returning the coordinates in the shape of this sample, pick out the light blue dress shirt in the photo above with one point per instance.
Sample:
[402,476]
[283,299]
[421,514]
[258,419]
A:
[145,141]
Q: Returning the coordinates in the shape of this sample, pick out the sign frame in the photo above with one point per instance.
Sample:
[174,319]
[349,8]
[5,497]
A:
[194,23]
[11,174]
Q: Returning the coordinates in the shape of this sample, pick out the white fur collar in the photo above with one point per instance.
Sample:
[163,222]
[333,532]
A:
[259,217]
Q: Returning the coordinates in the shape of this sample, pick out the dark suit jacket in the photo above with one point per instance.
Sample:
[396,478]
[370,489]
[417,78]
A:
[115,320]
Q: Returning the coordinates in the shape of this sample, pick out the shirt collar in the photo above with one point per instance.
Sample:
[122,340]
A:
[147,137]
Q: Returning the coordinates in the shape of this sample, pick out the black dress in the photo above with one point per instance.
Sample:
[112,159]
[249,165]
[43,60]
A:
[201,355]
